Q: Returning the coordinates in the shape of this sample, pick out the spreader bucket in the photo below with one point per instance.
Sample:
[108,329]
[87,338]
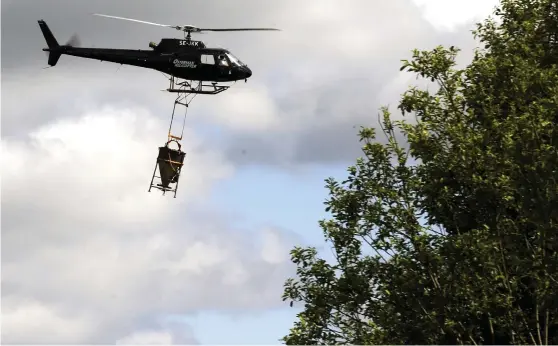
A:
[170,162]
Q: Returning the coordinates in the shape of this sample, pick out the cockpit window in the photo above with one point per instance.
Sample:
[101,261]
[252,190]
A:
[234,60]
[222,60]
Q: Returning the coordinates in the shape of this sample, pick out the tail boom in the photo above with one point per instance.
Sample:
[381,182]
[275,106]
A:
[139,58]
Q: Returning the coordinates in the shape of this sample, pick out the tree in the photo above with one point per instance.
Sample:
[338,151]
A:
[452,237]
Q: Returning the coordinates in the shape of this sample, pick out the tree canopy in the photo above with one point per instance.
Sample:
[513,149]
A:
[447,234]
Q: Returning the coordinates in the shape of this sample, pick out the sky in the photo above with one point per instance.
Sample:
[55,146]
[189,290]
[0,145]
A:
[90,257]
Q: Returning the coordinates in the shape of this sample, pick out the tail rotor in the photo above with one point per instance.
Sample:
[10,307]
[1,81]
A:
[74,41]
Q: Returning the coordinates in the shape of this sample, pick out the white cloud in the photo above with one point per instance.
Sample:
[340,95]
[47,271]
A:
[101,164]
[272,248]
[75,87]
[147,338]
[169,333]
[22,318]
[249,108]
[450,14]
[91,250]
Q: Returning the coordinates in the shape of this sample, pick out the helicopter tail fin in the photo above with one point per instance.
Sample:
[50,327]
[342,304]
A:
[53,46]
[49,37]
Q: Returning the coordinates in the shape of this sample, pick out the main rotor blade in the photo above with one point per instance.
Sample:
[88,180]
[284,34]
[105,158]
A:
[243,29]
[138,21]
[186,28]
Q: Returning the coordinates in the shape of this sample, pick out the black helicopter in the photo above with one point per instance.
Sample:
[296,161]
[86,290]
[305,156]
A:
[181,58]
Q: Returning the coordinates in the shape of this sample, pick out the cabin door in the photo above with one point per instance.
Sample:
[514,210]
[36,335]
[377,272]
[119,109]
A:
[209,66]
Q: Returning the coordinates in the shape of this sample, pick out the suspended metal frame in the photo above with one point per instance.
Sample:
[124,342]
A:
[170,161]
[188,87]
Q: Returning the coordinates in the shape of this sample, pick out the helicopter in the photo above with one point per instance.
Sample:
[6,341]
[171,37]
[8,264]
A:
[180,58]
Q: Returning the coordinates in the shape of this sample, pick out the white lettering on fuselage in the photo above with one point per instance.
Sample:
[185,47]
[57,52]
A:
[184,63]
[188,43]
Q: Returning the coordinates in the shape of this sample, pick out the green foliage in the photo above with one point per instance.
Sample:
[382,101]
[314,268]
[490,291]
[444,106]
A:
[454,239]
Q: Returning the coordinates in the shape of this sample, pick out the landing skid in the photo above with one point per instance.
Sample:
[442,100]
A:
[187,87]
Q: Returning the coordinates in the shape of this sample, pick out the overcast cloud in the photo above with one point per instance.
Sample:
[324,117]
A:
[320,76]
[88,256]
[85,245]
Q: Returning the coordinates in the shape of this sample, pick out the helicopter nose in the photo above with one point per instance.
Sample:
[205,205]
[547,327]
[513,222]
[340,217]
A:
[247,72]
